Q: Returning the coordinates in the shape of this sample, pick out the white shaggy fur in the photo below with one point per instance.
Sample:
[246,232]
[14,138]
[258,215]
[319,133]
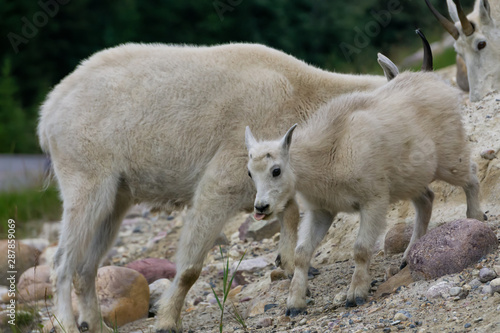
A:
[164,125]
[361,152]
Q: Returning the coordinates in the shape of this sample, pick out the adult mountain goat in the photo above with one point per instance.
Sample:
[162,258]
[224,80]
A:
[361,152]
[165,125]
[477,42]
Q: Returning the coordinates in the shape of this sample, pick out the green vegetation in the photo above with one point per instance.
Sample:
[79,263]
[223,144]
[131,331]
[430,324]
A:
[46,39]
[226,287]
[26,205]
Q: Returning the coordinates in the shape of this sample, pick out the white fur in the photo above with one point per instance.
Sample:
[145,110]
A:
[361,152]
[483,65]
[164,125]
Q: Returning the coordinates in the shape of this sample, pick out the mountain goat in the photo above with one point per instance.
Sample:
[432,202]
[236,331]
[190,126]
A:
[477,42]
[361,152]
[164,125]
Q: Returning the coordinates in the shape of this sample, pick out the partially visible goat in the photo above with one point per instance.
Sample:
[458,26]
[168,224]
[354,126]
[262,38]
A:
[361,152]
[164,125]
[477,42]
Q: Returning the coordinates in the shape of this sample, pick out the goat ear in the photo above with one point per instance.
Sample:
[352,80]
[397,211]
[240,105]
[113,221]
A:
[484,12]
[249,139]
[452,9]
[389,68]
[287,139]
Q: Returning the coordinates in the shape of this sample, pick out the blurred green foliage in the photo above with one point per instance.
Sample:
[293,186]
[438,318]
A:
[44,40]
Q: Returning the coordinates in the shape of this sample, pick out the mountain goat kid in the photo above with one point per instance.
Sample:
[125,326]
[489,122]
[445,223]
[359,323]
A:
[362,152]
[164,125]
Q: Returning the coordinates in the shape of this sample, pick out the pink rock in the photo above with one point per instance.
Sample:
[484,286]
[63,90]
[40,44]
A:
[154,268]
[450,248]
[34,284]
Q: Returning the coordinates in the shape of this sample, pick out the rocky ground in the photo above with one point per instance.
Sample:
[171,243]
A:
[459,302]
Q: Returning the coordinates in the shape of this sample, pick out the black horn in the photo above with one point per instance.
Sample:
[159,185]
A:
[427,63]
[467,27]
[447,24]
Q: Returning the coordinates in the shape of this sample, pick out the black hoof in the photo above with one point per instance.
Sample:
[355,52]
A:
[312,272]
[403,265]
[278,261]
[357,302]
[84,327]
[53,330]
[295,312]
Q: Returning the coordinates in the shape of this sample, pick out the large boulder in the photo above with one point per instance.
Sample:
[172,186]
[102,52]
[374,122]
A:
[450,248]
[154,269]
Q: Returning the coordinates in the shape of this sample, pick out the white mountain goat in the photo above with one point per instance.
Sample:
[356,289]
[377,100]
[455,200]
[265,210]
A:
[477,41]
[164,125]
[362,152]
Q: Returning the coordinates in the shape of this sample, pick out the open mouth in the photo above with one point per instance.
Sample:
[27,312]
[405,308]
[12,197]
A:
[260,216]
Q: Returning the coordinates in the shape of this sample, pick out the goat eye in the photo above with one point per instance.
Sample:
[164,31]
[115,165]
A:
[481,45]
[276,172]
[249,174]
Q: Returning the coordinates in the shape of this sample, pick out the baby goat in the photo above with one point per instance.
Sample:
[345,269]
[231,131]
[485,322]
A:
[362,152]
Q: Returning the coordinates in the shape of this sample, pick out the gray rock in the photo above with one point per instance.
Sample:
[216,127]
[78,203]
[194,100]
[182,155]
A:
[258,230]
[156,289]
[440,289]
[486,274]
[495,285]
[475,283]
[455,291]
[450,248]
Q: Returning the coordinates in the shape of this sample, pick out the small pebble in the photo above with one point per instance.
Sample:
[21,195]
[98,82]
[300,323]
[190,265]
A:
[475,283]
[400,317]
[488,154]
[495,285]
[455,291]
[467,325]
[303,321]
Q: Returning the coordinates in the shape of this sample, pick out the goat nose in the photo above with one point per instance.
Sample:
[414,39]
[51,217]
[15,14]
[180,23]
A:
[261,208]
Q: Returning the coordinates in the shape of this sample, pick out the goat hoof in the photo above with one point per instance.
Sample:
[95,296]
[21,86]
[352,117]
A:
[278,261]
[356,302]
[403,265]
[84,327]
[312,272]
[52,330]
[293,312]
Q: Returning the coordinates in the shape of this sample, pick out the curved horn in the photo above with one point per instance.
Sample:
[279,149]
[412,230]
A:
[467,27]
[427,62]
[447,24]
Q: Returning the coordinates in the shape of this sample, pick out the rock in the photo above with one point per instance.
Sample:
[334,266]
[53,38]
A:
[495,285]
[255,307]
[156,290]
[123,295]
[47,256]
[38,243]
[339,298]
[475,283]
[278,274]
[265,322]
[486,274]
[397,238]
[440,289]
[250,265]
[488,154]
[402,278]
[455,291]
[25,257]
[34,284]
[450,248]
[400,316]
[154,268]
[259,230]
[496,268]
